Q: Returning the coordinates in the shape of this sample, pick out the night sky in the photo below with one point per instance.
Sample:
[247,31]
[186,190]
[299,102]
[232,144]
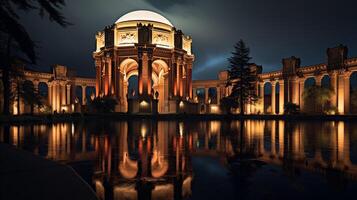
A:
[272,29]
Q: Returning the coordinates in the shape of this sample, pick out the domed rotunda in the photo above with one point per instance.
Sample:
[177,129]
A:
[147,45]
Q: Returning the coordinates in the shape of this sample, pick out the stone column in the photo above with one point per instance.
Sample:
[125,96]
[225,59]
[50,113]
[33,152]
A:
[174,79]
[106,78]
[83,94]
[68,92]
[281,97]
[301,89]
[341,94]
[63,94]
[54,99]
[318,80]
[180,80]
[273,95]
[49,94]
[333,78]
[189,80]
[218,95]
[109,77]
[58,97]
[98,78]
[35,85]
[149,73]
[347,92]
[206,95]
[295,91]
[194,93]
[261,95]
[140,71]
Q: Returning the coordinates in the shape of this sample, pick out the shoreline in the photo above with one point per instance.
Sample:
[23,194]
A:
[78,117]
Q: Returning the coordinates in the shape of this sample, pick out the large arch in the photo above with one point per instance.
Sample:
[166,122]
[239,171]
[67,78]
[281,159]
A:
[212,95]
[267,97]
[326,81]
[160,84]
[277,99]
[309,82]
[127,69]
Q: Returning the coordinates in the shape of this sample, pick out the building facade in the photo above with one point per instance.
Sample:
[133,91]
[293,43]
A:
[146,45]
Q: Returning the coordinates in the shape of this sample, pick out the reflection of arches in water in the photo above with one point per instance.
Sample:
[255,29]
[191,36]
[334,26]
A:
[128,168]
[159,162]
[127,192]
[163,191]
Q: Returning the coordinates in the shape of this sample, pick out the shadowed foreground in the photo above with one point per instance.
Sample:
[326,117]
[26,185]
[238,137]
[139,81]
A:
[25,176]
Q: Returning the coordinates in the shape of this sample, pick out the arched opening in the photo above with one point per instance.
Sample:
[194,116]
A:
[160,85]
[43,89]
[90,93]
[133,89]
[200,92]
[353,92]
[128,68]
[309,82]
[212,95]
[267,97]
[28,95]
[78,94]
[43,92]
[326,81]
[277,99]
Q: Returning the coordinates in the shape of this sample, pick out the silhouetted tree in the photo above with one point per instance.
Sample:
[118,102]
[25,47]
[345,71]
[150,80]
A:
[316,99]
[291,108]
[15,41]
[353,100]
[103,104]
[242,77]
[30,95]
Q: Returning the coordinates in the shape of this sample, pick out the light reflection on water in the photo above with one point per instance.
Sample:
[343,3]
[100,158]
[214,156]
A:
[201,160]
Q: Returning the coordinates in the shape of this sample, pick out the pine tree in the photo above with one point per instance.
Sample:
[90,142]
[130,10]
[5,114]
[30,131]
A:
[242,77]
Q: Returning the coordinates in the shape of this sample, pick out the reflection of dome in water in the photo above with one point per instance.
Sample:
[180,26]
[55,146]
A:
[144,15]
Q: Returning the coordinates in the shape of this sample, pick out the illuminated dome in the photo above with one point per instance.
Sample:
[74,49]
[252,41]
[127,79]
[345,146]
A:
[144,15]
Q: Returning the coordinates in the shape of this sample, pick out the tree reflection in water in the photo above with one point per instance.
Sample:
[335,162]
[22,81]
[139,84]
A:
[152,159]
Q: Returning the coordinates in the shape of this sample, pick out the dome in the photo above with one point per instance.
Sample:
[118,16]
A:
[144,15]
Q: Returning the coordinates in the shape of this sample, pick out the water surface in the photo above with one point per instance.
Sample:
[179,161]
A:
[202,159]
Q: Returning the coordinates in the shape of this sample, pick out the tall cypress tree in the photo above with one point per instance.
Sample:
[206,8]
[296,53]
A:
[242,76]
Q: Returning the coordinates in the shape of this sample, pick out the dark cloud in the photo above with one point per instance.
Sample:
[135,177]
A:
[165,4]
[272,29]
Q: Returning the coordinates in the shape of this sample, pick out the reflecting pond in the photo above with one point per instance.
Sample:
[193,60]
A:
[201,159]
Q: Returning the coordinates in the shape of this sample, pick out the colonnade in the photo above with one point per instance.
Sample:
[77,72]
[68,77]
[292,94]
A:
[292,90]
[61,95]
